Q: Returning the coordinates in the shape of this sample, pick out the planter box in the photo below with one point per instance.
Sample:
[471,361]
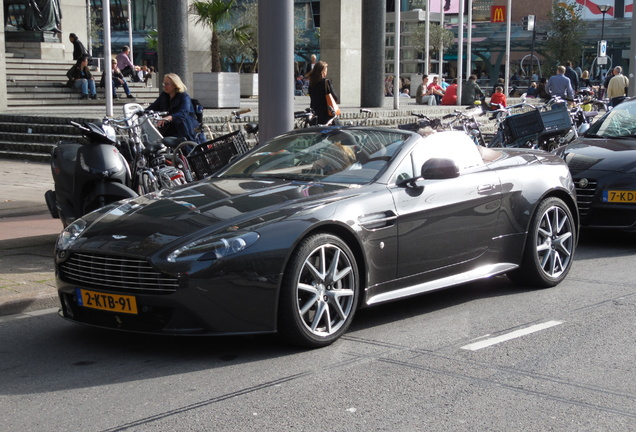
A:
[249,85]
[217,89]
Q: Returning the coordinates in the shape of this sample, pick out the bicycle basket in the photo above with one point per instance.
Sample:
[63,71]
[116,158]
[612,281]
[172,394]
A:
[556,121]
[211,156]
[521,125]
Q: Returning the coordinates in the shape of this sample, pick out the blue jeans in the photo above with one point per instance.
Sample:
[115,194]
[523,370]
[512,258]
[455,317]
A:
[86,86]
[116,84]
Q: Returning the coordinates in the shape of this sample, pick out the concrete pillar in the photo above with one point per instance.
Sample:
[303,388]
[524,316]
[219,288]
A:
[172,29]
[276,68]
[373,27]
[3,68]
[341,46]
[632,59]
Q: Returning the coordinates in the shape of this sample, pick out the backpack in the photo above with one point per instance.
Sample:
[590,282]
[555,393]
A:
[198,110]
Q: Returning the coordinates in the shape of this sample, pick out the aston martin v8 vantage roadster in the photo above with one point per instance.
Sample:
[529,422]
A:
[301,232]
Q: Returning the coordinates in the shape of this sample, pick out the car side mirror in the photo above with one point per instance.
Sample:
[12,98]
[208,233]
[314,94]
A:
[439,169]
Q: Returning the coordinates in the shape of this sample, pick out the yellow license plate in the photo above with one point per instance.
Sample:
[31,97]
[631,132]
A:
[107,302]
[616,196]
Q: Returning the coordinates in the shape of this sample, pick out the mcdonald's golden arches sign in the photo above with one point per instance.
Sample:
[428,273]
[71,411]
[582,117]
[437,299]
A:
[497,14]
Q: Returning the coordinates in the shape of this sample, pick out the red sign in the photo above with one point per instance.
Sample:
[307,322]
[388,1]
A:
[497,14]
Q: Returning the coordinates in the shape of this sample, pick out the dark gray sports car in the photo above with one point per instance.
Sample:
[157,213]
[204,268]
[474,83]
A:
[603,164]
[299,233]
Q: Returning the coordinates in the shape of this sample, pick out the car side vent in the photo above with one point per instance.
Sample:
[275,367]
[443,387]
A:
[373,221]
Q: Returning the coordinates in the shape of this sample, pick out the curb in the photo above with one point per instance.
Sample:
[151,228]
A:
[25,242]
[36,295]
[29,302]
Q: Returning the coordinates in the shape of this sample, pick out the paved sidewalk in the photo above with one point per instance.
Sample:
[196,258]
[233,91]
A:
[27,237]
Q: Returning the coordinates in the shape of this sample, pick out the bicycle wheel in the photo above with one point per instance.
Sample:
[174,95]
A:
[180,159]
[146,182]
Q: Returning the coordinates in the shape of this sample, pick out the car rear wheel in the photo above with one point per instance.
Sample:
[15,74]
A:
[549,248]
[320,292]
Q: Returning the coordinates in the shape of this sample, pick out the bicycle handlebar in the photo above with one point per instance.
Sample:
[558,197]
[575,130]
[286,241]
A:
[241,112]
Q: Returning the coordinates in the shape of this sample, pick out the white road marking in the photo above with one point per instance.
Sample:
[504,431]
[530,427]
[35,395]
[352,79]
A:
[506,337]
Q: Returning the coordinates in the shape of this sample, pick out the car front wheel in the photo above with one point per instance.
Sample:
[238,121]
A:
[319,293]
[549,248]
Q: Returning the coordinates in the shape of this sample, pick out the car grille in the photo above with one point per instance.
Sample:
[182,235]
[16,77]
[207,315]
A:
[585,195]
[116,273]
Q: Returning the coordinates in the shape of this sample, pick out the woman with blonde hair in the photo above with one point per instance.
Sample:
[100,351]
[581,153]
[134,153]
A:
[585,79]
[181,119]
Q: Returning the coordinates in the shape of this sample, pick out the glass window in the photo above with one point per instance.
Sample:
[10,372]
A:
[335,156]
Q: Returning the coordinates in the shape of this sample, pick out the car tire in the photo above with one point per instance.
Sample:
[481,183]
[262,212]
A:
[320,291]
[549,248]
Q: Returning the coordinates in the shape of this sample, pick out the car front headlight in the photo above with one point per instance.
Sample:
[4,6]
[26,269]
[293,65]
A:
[215,247]
[70,234]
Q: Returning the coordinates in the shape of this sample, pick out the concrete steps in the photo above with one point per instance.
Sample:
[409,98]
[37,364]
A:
[38,87]
[34,82]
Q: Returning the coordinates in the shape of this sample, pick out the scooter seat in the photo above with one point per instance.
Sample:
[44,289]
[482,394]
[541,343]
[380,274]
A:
[171,142]
[153,147]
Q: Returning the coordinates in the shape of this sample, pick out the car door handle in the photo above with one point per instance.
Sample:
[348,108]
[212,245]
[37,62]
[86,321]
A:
[485,188]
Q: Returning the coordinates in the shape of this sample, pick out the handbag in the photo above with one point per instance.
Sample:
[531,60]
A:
[332,105]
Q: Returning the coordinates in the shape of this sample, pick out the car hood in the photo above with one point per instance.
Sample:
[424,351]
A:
[600,154]
[145,224]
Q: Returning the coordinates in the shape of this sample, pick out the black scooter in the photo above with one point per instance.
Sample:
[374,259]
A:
[87,176]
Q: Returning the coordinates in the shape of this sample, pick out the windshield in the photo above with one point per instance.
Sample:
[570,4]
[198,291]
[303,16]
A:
[619,122]
[350,156]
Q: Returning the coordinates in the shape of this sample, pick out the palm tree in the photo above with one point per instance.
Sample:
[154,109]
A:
[211,13]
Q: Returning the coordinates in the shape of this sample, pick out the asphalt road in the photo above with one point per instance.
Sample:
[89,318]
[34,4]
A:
[484,356]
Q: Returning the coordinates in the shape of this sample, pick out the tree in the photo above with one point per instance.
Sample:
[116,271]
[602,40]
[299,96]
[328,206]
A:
[213,13]
[437,34]
[246,34]
[566,30]
[152,39]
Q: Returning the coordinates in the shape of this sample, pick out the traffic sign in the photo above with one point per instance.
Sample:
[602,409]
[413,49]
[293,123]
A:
[602,48]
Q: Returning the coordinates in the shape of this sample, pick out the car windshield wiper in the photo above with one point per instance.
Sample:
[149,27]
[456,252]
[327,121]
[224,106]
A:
[624,136]
[237,176]
[593,136]
[285,177]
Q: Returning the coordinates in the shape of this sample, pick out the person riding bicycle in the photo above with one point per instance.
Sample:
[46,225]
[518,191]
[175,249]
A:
[181,119]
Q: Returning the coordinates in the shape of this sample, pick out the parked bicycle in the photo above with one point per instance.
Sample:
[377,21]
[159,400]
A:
[304,119]
[545,127]
[147,151]
[422,122]
[202,160]
[465,121]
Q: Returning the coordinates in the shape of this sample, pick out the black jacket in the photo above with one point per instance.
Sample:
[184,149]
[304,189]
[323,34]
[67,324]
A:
[78,49]
[75,73]
[574,78]
[318,101]
[180,107]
